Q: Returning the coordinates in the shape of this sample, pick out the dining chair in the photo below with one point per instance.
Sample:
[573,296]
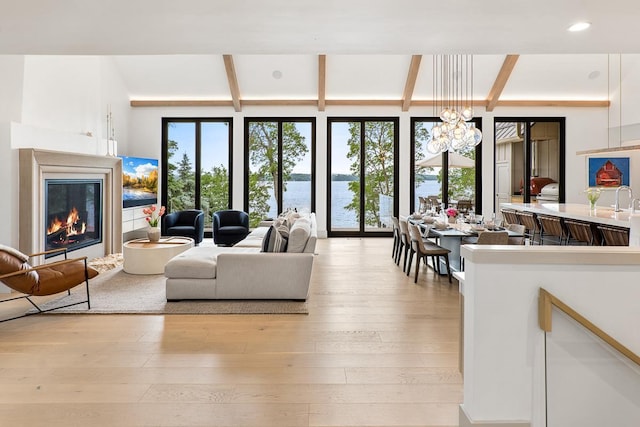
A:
[424,204]
[464,206]
[579,232]
[396,236]
[516,228]
[424,249]
[434,203]
[552,230]
[405,243]
[493,238]
[613,236]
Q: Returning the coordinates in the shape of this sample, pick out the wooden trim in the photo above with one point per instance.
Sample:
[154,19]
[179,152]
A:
[357,102]
[551,103]
[410,85]
[233,82]
[609,150]
[546,300]
[365,102]
[322,81]
[279,102]
[180,103]
[501,81]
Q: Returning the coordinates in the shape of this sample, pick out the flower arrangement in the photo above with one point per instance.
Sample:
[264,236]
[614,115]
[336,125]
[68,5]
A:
[452,212]
[593,194]
[153,215]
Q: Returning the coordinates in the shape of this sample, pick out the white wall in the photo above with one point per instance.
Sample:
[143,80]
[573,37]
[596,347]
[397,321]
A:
[503,344]
[51,102]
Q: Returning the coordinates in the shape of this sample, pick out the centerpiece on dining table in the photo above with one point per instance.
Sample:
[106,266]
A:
[452,214]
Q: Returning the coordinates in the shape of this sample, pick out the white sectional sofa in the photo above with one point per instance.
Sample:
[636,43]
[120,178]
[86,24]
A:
[244,271]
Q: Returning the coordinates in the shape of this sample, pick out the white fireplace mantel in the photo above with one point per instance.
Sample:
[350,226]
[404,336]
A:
[38,165]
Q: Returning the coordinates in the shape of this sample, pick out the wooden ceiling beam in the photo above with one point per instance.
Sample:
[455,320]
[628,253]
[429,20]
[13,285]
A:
[233,82]
[322,81]
[410,85]
[501,81]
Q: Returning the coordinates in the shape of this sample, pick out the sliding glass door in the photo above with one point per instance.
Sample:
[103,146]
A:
[362,176]
[196,165]
[279,176]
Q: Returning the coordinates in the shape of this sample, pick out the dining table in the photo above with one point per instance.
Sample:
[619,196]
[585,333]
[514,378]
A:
[451,238]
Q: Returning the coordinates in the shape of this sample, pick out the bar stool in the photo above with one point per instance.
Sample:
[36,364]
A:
[614,236]
[529,220]
[580,232]
[510,216]
[552,229]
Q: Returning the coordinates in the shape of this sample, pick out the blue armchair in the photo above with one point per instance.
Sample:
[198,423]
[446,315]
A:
[187,223]
[229,227]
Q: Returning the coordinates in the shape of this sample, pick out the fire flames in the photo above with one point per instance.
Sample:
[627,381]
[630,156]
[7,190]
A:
[71,227]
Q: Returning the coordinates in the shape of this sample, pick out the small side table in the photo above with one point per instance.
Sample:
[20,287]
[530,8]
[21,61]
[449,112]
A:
[144,257]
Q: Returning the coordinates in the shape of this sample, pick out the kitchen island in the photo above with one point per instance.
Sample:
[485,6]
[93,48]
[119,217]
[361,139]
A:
[600,215]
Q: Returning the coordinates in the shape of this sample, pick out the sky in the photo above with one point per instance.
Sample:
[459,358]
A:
[138,167]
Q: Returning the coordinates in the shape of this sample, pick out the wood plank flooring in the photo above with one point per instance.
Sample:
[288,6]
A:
[375,350]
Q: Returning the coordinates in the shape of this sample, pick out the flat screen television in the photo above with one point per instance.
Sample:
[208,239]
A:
[139,181]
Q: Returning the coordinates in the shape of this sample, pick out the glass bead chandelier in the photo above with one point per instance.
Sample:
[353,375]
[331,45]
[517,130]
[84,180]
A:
[453,96]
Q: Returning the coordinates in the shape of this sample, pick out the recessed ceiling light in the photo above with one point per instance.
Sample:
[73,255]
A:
[277,74]
[579,26]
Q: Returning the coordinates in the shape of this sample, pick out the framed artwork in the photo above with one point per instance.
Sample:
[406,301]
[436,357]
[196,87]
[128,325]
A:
[608,172]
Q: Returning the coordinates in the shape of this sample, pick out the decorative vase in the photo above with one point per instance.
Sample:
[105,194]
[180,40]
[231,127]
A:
[153,234]
[593,194]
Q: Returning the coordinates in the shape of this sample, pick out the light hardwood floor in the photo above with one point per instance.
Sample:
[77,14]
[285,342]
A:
[375,350]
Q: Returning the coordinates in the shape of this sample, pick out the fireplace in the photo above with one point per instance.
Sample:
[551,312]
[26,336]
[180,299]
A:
[59,185]
[73,213]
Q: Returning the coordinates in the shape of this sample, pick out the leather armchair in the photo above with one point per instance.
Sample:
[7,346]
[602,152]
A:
[44,279]
[187,223]
[229,227]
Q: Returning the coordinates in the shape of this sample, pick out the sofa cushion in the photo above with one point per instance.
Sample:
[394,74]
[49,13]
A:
[195,264]
[299,234]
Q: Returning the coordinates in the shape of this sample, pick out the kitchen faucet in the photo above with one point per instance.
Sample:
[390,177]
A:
[622,187]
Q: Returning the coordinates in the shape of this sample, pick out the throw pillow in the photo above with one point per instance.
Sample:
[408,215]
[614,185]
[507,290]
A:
[265,240]
[298,235]
[274,241]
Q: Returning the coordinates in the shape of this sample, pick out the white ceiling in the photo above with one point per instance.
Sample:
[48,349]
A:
[173,49]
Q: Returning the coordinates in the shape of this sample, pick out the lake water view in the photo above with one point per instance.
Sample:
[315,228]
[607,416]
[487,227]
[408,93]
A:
[298,196]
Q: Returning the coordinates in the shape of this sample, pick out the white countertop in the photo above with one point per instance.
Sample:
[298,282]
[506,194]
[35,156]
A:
[601,215]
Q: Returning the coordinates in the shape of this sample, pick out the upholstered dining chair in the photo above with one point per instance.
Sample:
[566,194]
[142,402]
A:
[423,249]
[517,228]
[405,243]
[45,279]
[187,223]
[493,238]
[396,236]
[230,226]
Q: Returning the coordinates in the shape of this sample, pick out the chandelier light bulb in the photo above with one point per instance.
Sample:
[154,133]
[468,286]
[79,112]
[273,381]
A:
[477,135]
[433,146]
[445,115]
[467,114]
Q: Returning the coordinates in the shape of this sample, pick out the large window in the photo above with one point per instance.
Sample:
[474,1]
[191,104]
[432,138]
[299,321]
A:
[460,180]
[362,176]
[279,172]
[196,165]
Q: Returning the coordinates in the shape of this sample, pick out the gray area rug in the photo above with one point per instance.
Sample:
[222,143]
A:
[117,292]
